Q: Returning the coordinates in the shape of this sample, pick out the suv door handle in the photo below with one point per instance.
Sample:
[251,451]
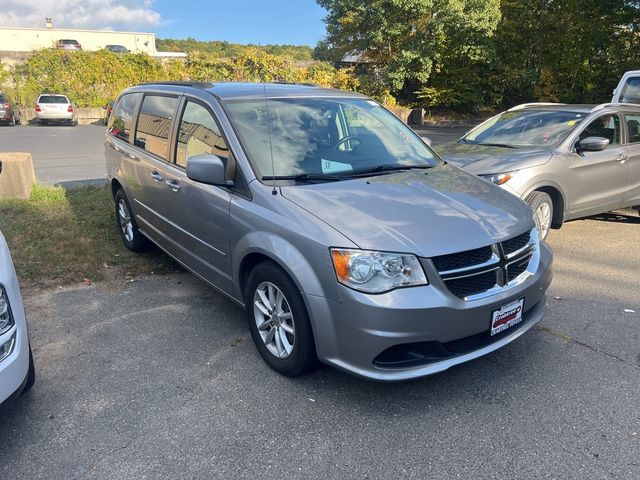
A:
[156,176]
[173,185]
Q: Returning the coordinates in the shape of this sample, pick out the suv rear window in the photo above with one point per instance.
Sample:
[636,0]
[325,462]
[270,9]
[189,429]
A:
[53,99]
[68,42]
[122,116]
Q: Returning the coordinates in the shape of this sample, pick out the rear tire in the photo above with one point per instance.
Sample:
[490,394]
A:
[280,325]
[127,225]
[542,207]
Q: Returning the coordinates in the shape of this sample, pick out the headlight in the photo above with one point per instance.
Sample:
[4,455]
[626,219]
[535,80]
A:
[499,178]
[6,320]
[377,272]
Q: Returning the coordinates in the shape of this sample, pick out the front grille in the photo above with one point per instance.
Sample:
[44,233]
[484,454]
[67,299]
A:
[474,272]
[517,268]
[462,259]
[473,284]
[516,243]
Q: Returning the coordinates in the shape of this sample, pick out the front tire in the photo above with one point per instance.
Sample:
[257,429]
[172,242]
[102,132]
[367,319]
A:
[542,207]
[126,222]
[279,321]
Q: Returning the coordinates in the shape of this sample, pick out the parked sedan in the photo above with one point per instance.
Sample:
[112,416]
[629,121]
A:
[117,48]
[566,161]
[341,233]
[68,44]
[17,372]
[9,112]
[54,108]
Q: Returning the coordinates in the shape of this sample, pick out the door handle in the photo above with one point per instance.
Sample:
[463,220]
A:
[622,157]
[156,176]
[173,185]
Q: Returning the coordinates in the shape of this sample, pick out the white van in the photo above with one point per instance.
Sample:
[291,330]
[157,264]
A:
[17,372]
[628,90]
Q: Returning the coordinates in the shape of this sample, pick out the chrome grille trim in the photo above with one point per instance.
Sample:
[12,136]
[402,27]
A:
[500,262]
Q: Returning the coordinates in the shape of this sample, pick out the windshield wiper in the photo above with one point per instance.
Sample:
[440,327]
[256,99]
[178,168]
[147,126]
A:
[384,168]
[304,177]
[487,144]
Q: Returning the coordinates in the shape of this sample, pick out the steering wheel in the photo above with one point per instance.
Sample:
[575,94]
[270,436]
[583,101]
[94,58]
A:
[347,139]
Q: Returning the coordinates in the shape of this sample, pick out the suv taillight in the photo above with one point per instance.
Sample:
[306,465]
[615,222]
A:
[70,109]
[6,106]
[38,109]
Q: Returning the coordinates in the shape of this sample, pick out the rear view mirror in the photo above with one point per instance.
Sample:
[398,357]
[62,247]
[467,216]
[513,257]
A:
[207,168]
[593,144]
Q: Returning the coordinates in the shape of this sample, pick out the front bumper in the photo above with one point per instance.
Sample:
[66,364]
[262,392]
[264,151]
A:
[352,334]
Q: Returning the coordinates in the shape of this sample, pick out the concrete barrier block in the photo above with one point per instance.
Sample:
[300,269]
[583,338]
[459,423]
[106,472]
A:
[17,176]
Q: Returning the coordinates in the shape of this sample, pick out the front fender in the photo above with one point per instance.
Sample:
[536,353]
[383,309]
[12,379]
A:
[289,258]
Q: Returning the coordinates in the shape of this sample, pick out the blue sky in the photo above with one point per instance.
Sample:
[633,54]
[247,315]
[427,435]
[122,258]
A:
[242,21]
[237,21]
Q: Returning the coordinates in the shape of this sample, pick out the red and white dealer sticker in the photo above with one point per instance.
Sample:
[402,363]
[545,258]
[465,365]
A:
[506,316]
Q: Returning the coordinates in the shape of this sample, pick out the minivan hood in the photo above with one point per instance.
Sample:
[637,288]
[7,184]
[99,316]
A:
[482,159]
[425,212]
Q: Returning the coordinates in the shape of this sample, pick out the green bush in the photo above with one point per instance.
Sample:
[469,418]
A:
[92,79]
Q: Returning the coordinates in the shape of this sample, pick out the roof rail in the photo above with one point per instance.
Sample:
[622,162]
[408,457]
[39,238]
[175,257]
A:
[187,83]
[535,104]
[614,104]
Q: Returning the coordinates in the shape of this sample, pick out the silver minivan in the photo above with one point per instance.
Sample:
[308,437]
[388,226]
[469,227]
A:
[342,234]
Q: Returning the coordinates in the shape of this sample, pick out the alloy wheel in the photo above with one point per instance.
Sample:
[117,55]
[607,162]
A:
[274,319]
[124,219]
[543,219]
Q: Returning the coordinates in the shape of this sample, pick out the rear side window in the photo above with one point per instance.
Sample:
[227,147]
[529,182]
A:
[53,99]
[631,91]
[121,119]
[199,134]
[633,126]
[154,124]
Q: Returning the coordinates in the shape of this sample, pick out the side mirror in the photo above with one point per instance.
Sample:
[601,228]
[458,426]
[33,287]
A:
[593,144]
[207,168]
[426,140]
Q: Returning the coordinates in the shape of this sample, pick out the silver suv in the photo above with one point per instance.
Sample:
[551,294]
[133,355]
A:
[566,161]
[342,234]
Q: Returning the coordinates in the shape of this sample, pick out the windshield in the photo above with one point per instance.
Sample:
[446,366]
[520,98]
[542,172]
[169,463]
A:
[324,136]
[526,128]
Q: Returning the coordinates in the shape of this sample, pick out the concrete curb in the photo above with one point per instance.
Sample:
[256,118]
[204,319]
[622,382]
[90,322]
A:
[18,176]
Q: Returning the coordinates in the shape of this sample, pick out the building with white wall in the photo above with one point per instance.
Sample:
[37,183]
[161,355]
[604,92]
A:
[30,39]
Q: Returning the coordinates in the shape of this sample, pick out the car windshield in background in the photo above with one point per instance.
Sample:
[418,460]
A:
[325,137]
[525,128]
[631,92]
[52,99]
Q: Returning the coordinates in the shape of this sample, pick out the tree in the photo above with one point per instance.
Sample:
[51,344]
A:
[407,40]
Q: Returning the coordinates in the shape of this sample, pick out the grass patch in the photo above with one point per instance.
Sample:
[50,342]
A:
[62,237]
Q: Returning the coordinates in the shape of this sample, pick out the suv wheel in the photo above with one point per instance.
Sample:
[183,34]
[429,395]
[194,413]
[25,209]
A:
[278,321]
[542,207]
[131,236]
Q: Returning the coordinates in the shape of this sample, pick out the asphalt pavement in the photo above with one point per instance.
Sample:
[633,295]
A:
[159,378]
[68,155]
[60,153]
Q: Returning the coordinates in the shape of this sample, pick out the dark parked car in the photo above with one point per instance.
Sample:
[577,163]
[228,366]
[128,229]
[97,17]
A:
[117,48]
[566,161]
[341,233]
[9,113]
